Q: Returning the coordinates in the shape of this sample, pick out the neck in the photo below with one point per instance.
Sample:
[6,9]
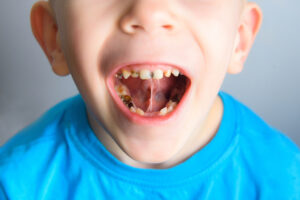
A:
[194,143]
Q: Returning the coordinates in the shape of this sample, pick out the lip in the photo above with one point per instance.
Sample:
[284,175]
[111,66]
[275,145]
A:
[144,120]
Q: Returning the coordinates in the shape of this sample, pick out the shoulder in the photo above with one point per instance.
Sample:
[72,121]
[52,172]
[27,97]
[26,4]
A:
[269,155]
[256,131]
[37,138]
[34,153]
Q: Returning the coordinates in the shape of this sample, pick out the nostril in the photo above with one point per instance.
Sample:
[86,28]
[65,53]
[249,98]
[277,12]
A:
[168,27]
[135,26]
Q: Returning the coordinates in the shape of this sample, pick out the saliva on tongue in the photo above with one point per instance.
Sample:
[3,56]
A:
[152,95]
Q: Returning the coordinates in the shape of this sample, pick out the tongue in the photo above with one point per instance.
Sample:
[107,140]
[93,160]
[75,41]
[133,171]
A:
[150,95]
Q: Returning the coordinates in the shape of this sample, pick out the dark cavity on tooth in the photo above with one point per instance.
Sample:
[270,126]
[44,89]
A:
[127,101]
[130,105]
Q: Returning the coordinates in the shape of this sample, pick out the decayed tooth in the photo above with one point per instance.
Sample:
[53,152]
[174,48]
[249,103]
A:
[126,99]
[145,74]
[121,90]
[134,74]
[140,112]
[158,74]
[168,73]
[175,72]
[163,111]
[126,74]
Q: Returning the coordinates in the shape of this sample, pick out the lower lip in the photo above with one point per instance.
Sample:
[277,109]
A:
[145,120]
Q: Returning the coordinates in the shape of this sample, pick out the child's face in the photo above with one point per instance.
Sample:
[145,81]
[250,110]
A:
[101,38]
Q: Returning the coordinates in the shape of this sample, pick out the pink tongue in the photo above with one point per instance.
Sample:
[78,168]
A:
[150,95]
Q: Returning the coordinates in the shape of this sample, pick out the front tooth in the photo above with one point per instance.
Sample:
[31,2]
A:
[140,112]
[168,73]
[145,74]
[126,73]
[175,72]
[163,111]
[158,74]
[134,74]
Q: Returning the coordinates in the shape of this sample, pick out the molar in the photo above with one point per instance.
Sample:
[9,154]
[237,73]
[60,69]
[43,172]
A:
[132,109]
[163,111]
[171,105]
[140,112]
[121,90]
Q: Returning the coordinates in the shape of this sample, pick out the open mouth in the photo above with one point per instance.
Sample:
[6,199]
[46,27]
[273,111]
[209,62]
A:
[150,91]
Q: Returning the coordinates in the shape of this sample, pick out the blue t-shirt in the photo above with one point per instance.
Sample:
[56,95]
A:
[59,157]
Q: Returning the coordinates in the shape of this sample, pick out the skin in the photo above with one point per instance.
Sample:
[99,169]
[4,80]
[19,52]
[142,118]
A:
[207,38]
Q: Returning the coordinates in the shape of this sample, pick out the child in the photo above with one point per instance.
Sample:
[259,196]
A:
[150,121]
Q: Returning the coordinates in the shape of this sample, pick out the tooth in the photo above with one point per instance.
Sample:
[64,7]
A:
[158,74]
[130,105]
[168,73]
[134,74]
[119,76]
[126,73]
[126,99]
[140,112]
[175,72]
[145,74]
[163,111]
[132,109]
[121,90]
[171,105]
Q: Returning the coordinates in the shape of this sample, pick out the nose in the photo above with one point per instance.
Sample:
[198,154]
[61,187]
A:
[149,16]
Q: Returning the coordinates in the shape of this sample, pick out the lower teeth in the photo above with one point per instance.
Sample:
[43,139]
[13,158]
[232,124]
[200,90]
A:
[140,112]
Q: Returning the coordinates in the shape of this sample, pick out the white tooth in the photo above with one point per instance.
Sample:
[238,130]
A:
[171,105]
[145,74]
[140,111]
[158,74]
[170,109]
[175,72]
[163,111]
[168,73]
[132,109]
[134,74]
[126,73]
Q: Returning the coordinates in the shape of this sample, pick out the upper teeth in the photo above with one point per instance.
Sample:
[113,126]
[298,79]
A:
[126,73]
[175,72]
[146,74]
[158,74]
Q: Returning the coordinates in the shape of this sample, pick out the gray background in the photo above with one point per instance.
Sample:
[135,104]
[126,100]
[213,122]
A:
[269,83]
